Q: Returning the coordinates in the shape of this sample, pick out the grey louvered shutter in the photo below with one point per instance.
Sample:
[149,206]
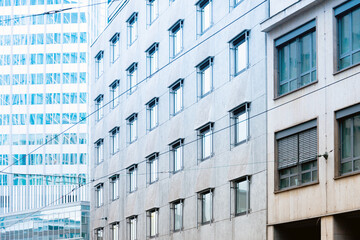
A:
[287,151]
[308,145]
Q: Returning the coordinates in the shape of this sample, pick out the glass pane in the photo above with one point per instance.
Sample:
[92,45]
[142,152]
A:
[293,60]
[344,25]
[241,57]
[346,139]
[284,63]
[206,81]
[314,175]
[177,216]
[344,62]
[356,165]
[305,80]
[346,167]
[206,207]
[284,183]
[206,145]
[356,29]
[313,48]
[305,46]
[293,85]
[356,137]
[283,88]
[241,196]
[356,58]
[294,181]
[306,177]
[241,131]
[206,19]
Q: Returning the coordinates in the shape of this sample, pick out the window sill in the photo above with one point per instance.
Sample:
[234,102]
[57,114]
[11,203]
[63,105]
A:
[204,31]
[206,94]
[296,187]
[206,223]
[346,69]
[176,113]
[114,199]
[151,183]
[204,159]
[177,171]
[243,213]
[298,89]
[240,72]
[347,175]
[240,143]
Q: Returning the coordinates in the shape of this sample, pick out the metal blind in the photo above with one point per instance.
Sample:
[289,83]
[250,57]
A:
[288,151]
[308,145]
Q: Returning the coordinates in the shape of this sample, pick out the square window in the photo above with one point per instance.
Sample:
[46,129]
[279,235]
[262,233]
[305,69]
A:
[176,38]
[177,212]
[132,227]
[348,18]
[99,107]
[99,64]
[114,138]
[348,120]
[239,53]
[152,56]
[132,128]
[152,109]
[205,77]
[99,151]
[205,201]
[176,97]
[132,28]
[132,77]
[241,188]
[176,155]
[99,190]
[239,121]
[153,221]
[132,178]
[152,168]
[297,155]
[296,52]
[205,141]
[204,15]
[114,187]
[152,10]
[114,228]
[115,47]
[115,93]
[99,234]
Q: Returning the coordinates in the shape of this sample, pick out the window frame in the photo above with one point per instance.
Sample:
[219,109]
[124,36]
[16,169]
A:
[115,93]
[173,218]
[200,17]
[152,11]
[99,191]
[132,28]
[130,221]
[97,231]
[286,135]
[293,37]
[152,114]
[114,48]
[99,107]
[152,168]
[348,113]
[206,64]
[234,43]
[132,179]
[132,75]
[234,188]
[115,140]
[178,85]
[202,132]
[177,145]
[114,183]
[176,31]
[152,59]
[132,128]
[234,123]
[150,223]
[201,207]
[99,64]
[112,231]
[99,151]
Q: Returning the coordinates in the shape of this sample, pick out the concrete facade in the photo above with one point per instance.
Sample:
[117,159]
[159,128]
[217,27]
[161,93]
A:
[326,208]
[227,161]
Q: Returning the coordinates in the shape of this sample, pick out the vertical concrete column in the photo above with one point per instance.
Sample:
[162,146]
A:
[327,228]
[270,233]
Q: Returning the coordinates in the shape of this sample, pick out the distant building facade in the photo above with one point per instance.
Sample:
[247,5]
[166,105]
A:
[43,92]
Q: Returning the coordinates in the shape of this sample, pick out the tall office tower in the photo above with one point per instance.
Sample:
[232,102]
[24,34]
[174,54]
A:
[43,92]
[179,134]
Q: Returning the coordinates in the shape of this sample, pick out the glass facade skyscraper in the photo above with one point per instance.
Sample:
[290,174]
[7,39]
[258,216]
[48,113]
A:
[43,92]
